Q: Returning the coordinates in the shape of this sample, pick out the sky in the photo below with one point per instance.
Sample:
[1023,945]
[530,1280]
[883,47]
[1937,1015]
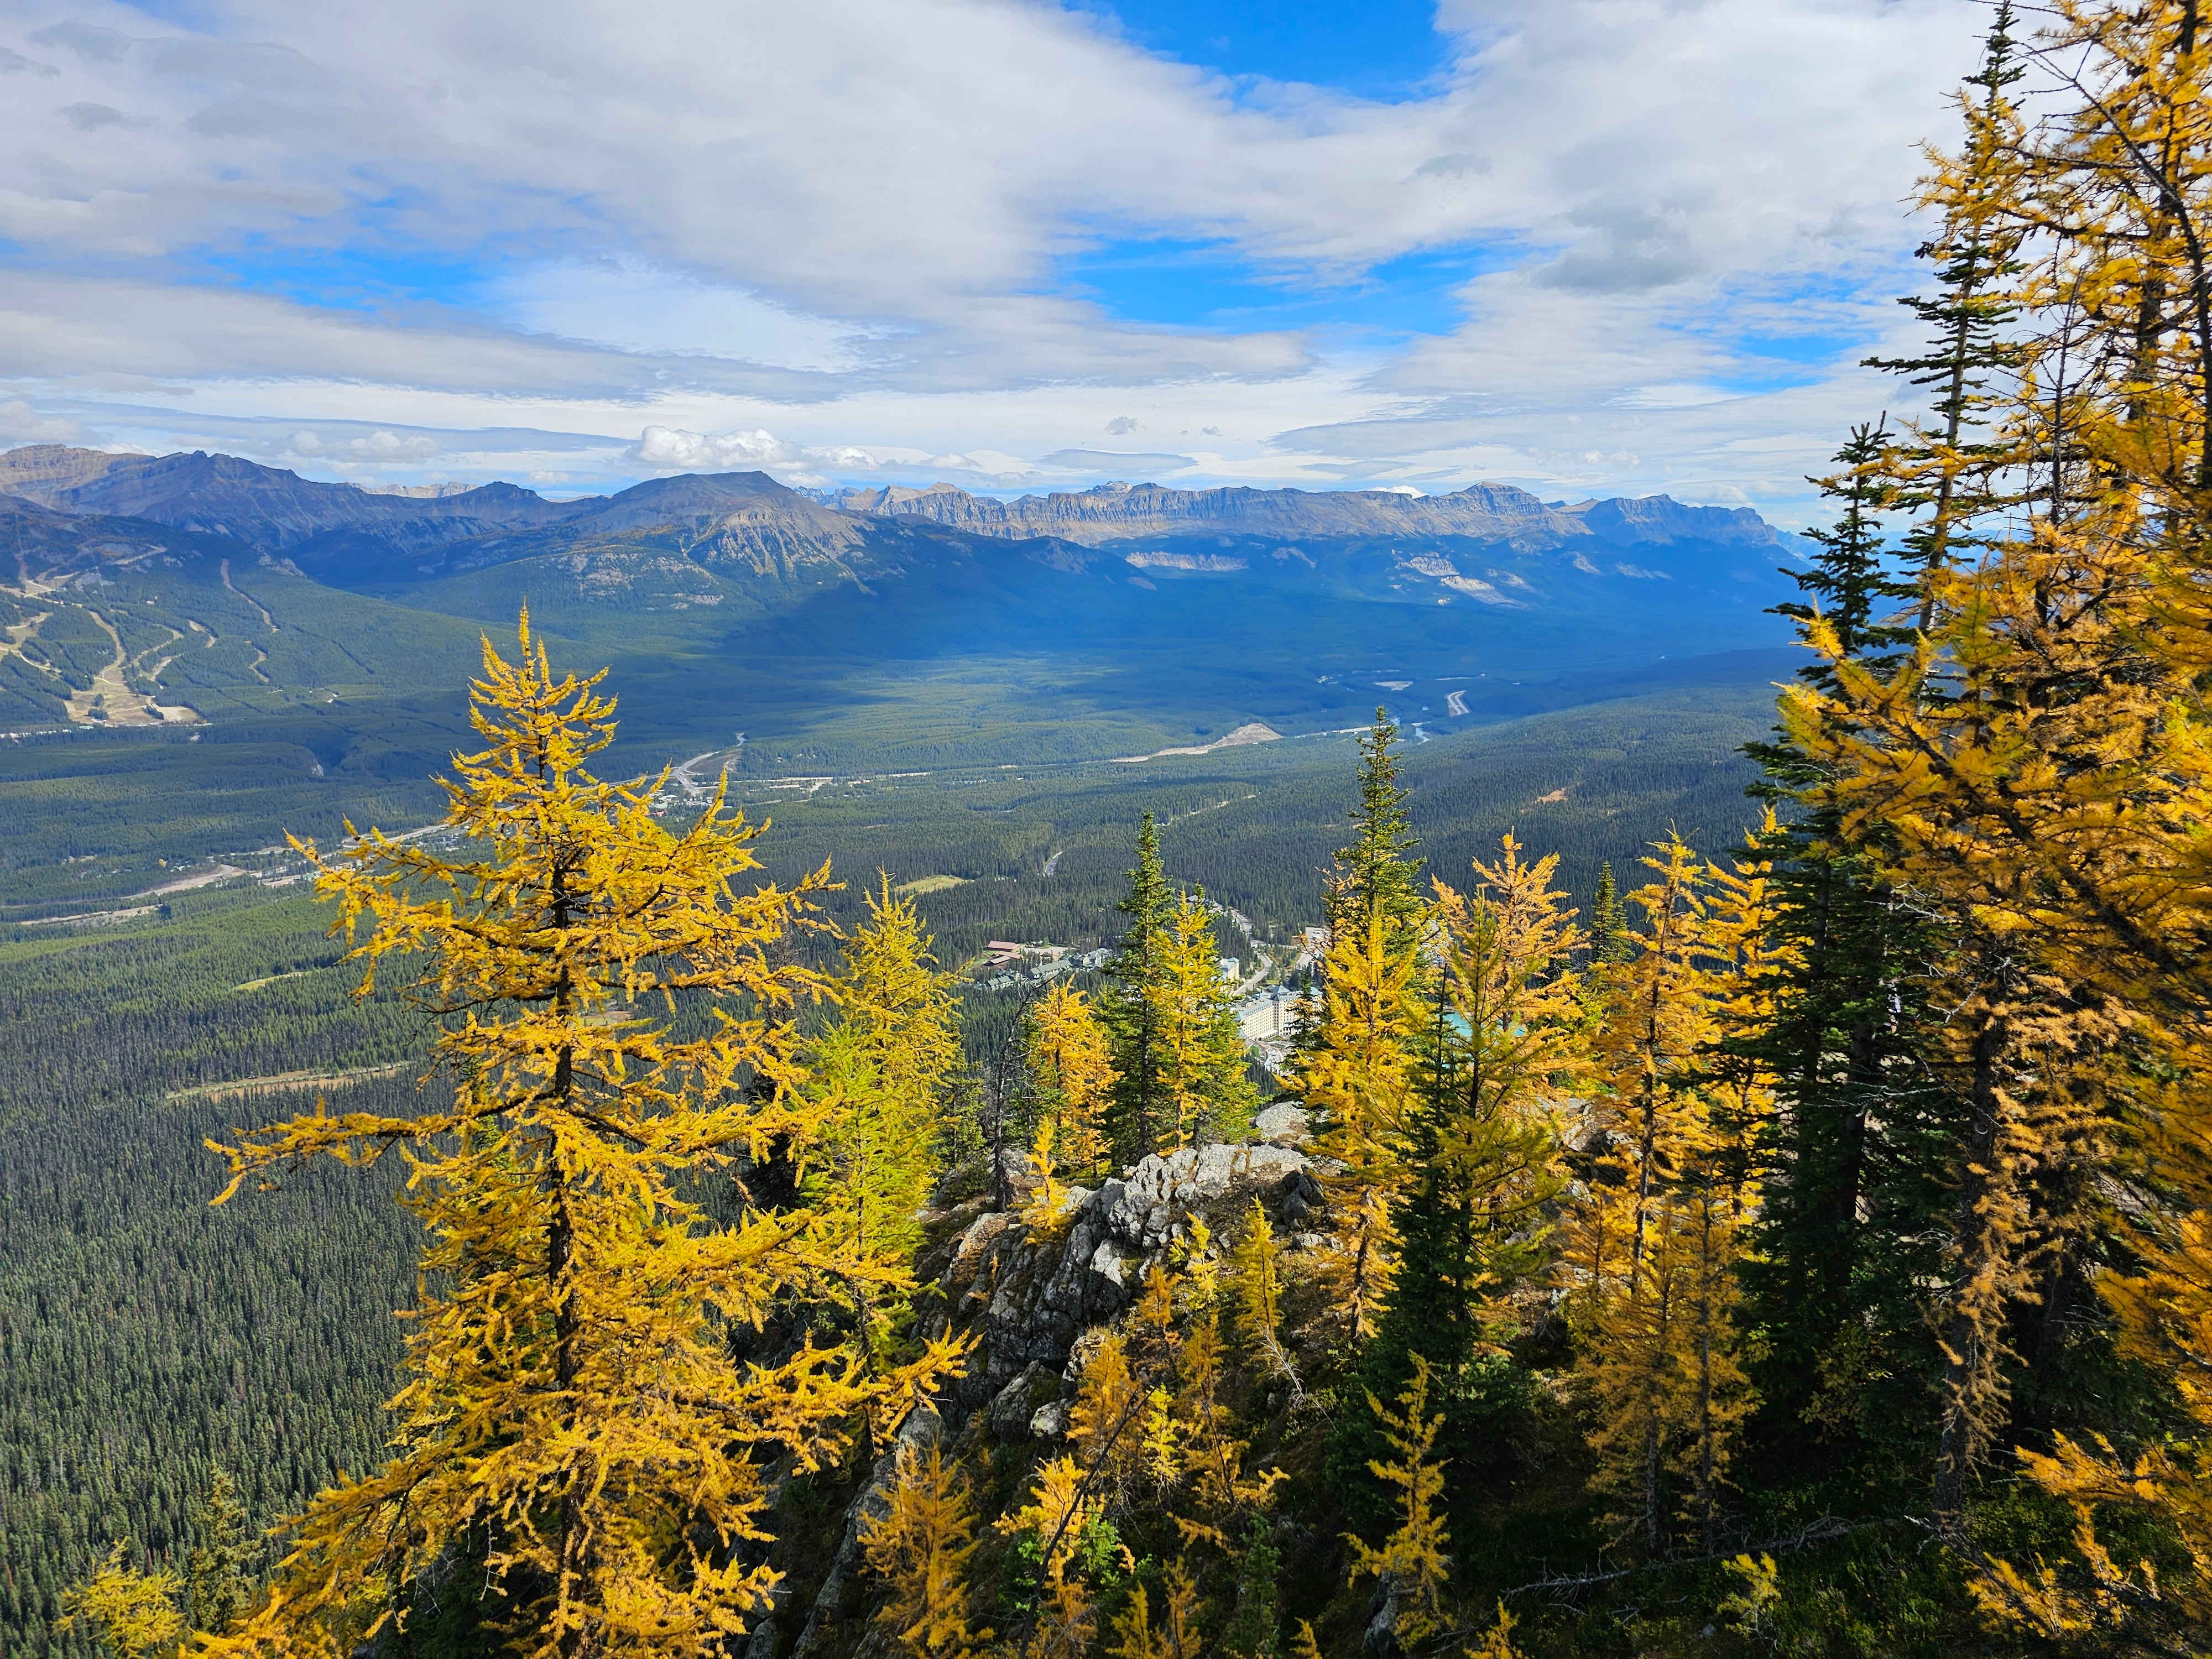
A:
[1589,247]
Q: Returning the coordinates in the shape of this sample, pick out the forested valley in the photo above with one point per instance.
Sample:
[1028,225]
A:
[1789,1235]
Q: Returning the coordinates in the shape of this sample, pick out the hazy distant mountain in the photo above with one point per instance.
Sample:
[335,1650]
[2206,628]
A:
[1282,603]
[321,525]
[749,545]
[1497,513]
[725,515]
[739,541]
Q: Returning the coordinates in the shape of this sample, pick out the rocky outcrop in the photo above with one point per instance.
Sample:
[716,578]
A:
[41,472]
[1036,1292]
[1660,519]
[1028,1289]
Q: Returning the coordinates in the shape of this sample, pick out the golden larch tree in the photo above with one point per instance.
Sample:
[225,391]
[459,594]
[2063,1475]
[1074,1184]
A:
[1361,1083]
[878,1079]
[1200,1051]
[1071,1069]
[572,1408]
[2037,766]
[1176,1636]
[1510,1045]
[1657,1027]
[1412,1558]
[1257,1284]
[1656,1237]
[1062,1507]
[919,1546]
[136,1613]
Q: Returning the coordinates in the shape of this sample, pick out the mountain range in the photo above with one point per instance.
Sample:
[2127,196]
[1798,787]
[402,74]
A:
[198,652]
[709,539]
[1497,514]
[205,589]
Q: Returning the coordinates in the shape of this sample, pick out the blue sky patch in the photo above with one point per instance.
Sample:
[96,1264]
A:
[351,278]
[1386,49]
[1179,282]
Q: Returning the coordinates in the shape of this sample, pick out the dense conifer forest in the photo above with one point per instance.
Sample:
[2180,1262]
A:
[132,1315]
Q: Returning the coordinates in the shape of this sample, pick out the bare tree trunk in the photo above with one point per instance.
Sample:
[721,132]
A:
[1708,1449]
[1971,1342]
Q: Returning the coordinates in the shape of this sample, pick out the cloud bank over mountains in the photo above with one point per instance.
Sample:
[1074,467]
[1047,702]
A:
[1634,244]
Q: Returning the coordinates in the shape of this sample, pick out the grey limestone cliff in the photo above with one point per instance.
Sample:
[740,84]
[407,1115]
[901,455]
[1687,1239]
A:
[1489,512]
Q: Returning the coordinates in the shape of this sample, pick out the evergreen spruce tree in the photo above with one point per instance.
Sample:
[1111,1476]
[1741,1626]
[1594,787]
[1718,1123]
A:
[1945,474]
[1849,585]
[1129,1005]
[1307,1015]
[1251,1632]
[1853,1161]
[1609,928]
[1378,875]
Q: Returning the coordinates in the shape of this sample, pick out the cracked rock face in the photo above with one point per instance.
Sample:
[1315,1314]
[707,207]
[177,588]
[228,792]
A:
[1014,1409]
[1030,1292]
[1144,1210]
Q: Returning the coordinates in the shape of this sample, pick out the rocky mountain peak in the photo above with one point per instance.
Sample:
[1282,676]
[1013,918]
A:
[39,472]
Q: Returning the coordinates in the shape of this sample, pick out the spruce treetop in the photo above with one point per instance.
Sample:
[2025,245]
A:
[1378,873]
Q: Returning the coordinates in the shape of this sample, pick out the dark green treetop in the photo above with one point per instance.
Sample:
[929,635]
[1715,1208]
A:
[1378,875]
[1945,478]
[1127,1008]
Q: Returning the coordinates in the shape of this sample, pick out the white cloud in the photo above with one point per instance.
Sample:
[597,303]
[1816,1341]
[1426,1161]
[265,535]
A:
[845,221]
[634,307]
[14,62]
[1120,464]
[20,423]
[661,449]
[380,447]
[60,328]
